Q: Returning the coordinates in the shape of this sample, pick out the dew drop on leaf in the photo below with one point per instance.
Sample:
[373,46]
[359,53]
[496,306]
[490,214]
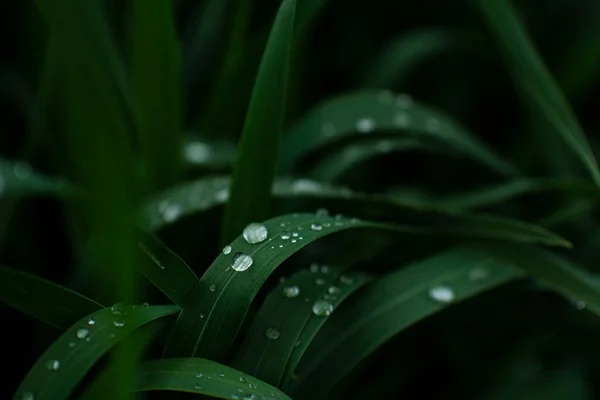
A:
[199,375]
[322,308]
[285,235]
[294,234]
[116,309]
[316,227]
[82,333]
[197,152]
[212,288]
[272,334]
[53,365]
[314,268]
[198,387]
[226,250]
[221,375]
[72,344]
[255,233]
[291,291]
[241,262]
[365,125]
[119,323]
[91,321]
[333,290]
[172,212]
[442,294]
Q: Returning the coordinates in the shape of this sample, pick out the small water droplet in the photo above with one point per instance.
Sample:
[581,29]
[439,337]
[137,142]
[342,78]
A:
[241,262]
[116,309]
[320,281]
[300,238]
[442,294]
[314,268]
[82,333]
[322,213]
[255,233]
[322,308]
[221,375]
[294,240]
[199,375]
[300,228]
[316,227]
[27,396]
[72,344]
[243,379]
[91,321]
[285,235]
[88,339]
[198,387]
[326,224]
[198,152]
[404,101]
[346,280]
[328,129]
[281,246]
[291,291]
[226,250]
[580,305]
[324,269]
[252,386]
[145,304]
[365,125]
[212,288]
[119,323]
[294,234]
[282,225]
[201,315]
[53,365]
[250,396]
[172,212]
[222,195]
[272,334]
[478,274]
[333,290]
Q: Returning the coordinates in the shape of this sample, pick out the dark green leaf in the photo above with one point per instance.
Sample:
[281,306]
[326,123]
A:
[42,299]
[257,153]
[58,371]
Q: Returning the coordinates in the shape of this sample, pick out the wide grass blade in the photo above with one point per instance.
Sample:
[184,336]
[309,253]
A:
[390,305]
[365,112]
[286,323]
[18,178]
[156,79]
[51,303]
[536,78]
[197,375]
[166,270]
[58,371]
[257,153]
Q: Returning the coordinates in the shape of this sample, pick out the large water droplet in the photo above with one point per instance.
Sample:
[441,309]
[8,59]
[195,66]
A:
[294,234]
[291,291]
[442,294]
[82,333]
[27,396]
[255,233]
[226,250]
[272,334]
[53,365]
[241,262]
[322,308]
[365,125]
[119,323]
[316,227]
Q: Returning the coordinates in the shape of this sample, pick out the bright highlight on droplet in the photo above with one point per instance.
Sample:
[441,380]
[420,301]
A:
[442,294]
[291,291]
[322,308]
[241,262]
[53,365]
[365,125]
[255,233]
[226,250]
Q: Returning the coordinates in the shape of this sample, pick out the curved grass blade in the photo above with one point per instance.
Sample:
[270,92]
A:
[17,178]
[51,303]
[166,270]
[286,323]
[67,360]
[390,305]
[404,54]
[197,375]
[534,75]
[156,81]
[363,112]
[254,168]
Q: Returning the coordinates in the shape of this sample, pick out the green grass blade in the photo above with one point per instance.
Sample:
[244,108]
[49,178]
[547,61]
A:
[363,113]
[534,75]
[197,375]
[273,360]
[58,371]
[156,79]
[51,303]
[257,153]
[17,178]
[390,305]
[166,270]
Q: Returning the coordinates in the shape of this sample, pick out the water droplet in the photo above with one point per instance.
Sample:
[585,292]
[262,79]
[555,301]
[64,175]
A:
[212,288]
[442,294]
[243,379]
[116,309]
[255,233]
[326,224]
[478,274]
[272,334]
[580,305]
[201,315]
[320,281]
[402,120]
[53,365]
[27,396]
[322,212]
[226,250]
[172,212]
[328,129]
[300,238]
[241,262]
[198,152]
[199,375]
[252,386]
[222,195]
[22,170]
[346,280]
[285,235]
[404,101]
[72,344]
[385,97]
[82,333]
[432,125]
[91,321]
[250,396]
[198,387]
[314,268]
[119,323]
[316,227]
[333,290]
[88,339]
[354,220]
[294,240]
[365,125]
[322,308]
[221,375]
[324,269]
[281,246]
[300,228]
[291,291]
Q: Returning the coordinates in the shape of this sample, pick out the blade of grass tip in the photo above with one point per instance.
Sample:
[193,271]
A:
[366,112]
[288,320]
[534,75]
[62,366]
[166,270]
[19,179]
[156,78]
[257,153]
[390,305]
[51,303]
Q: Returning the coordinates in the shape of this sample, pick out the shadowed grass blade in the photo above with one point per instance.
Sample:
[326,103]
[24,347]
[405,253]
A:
[166,270]
[534,75]
[156,79]
[197,375]
[362,113]
[51,303]
[65,363]
[286,323]
[257,153]
[390,305]
[17,178]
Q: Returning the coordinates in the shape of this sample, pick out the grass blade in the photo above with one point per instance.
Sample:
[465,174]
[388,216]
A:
[17,178]
[65,363]
[534,75]
[293,319]
[167,271]
[197,375]
[365,112]
[390,305]
[51,303]
[156,78]
[257,153]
